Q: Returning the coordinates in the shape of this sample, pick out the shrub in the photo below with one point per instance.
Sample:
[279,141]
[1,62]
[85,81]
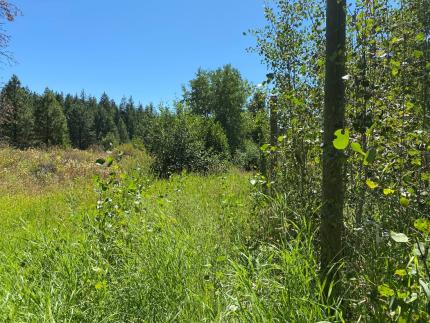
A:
[248,157]
[187,142]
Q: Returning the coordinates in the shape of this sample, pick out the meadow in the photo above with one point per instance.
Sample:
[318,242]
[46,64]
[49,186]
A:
[300,195]
[84,242]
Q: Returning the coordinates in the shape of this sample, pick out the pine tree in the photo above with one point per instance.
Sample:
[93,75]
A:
[16,117]
[50,121]
[104,120]
[145,128]
[80,121]
[129,117]
[122,131]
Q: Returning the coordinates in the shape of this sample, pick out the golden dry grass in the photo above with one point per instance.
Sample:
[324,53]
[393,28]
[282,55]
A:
[35,171]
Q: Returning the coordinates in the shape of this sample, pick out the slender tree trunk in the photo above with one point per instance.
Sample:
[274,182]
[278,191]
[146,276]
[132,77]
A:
[425,19]
[274,129]
[331,229]
[425,9]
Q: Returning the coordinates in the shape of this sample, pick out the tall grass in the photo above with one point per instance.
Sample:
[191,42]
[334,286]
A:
[138,249]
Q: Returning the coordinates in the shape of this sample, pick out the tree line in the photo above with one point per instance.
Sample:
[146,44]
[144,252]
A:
[216,120]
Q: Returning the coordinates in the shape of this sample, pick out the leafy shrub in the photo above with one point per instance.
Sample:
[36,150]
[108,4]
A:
[248,157]
[214,136]
[187,142]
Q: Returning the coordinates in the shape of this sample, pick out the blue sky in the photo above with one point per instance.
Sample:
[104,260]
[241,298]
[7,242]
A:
[143,48]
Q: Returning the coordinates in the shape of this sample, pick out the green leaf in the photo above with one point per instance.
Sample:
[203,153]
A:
[425,176]
[419,248]
[399,237]
[100,161]
[371,184]
[420,37]
[404,201]
[109,161]
[395,63]
[413,297]
[416,162]
[409,106]
[422,225]
[342,139]
[385,291]
[381,54]
[394,40]
[370,156]
[402,294]
[425,287]
[395,66]
[265,147]
[413,152]
[388,191]
[401,272]
[357,148]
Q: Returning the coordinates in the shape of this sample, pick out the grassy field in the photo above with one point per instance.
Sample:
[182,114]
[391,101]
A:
[127,247]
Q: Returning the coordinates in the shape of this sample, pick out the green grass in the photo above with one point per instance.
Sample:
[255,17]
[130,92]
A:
[182,249]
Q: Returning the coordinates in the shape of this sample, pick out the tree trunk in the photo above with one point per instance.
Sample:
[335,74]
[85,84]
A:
[425,20]
[425,10]
[331,229]
[274,134]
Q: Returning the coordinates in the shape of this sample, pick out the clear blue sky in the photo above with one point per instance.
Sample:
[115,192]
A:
[143,48]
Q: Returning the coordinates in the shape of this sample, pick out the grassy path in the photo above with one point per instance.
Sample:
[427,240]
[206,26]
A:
[182,250]
[52,269]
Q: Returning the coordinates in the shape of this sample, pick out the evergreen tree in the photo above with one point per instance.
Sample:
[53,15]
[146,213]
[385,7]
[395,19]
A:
[129,117]
[69,100]
[60,98]
[80,121]
[122,131]
[16,116]
[50,121]
[145,125]
[104,120]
